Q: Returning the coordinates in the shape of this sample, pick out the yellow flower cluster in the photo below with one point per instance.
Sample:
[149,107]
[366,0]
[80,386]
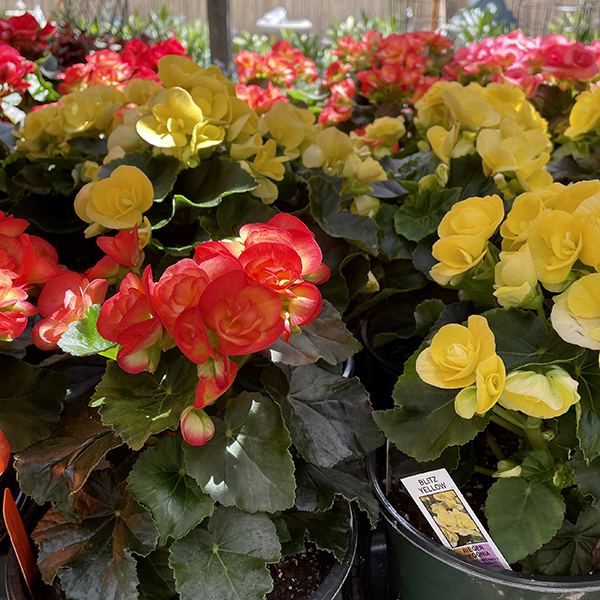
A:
[496,121]
[464,232]
[585,114]
[451,517]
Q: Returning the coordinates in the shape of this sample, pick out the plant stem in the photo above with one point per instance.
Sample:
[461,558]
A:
[536,438]
[508,426]
[483,470]
[493,444]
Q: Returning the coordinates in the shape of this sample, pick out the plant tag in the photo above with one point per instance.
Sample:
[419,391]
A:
[452,519]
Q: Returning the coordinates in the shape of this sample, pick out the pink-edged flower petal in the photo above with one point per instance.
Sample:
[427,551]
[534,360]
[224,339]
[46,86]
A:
[196,427]
[191,336]
[215,377]
[306,305]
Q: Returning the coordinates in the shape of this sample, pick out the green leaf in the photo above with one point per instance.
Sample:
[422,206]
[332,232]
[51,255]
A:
[587,476]
[226,561]
[328,416]
[82,338]
[30,400]
[523,515]
[522,338]
[213,180]
[133,159]
[424,423]
[57,468]
[392,245]
[162,170]
[326,337]
[247,462]
[325,207]
[235,211]
[159,482]
[155,576]
[538,465]
[94,558]
[420,216]
[467,174]
[570,551]
[413,167]
[327,530]
[318,487]
[138,406]
[588,426]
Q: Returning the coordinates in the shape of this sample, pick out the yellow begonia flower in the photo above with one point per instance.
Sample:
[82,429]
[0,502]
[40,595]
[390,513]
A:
[139,91]
[555,245]
[572,195]
[38,125]
[516,281]
[206,135]
[365,205]
[457,254]
[292,127]
[477,217]
[243,123]
[125,137]
[267,191]
[213,99]
[442,141]
[541,396]
[249,148]
[116,202]
[524,217]
[468,109]
[576,313]
[363,172]
[94,107]
[174,117]
[183,72]
[588,213]
[585,115]
[489,383]
[431,109]
[456,351]
[267,163]
[384,130]
[331,147]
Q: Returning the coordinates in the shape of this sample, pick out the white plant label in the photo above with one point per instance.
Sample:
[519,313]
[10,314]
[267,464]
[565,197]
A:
[451,517]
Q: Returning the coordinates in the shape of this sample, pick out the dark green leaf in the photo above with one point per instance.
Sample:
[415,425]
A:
[94,558]
[159,482]
[56,469]
[327,530]
[386,189]
[570,551]
[235,211]
[82,338]
[420,216]
[522,338]
[466,173]
[155,576]
[213,180]
[132,159]
[247,462]
[538,465]
[588,427]
[424,423]
[326,337]
[325,207]
[30,400]
[138,406]
[587,476]
[391,244]
[226,561]
[523,515]
[162,170]
[317,487]
[328,416]
[413,167]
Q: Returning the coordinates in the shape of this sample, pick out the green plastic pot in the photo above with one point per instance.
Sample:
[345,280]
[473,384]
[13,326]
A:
[421,569]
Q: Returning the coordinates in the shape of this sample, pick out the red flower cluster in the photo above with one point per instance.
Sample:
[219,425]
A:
[13,68]
[340,103]
[283,65]
[137,60]
[526,62]
[25,261]
[24,34]
[233,298]
[260,99]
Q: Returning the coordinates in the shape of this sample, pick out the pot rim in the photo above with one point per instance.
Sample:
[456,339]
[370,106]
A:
[332,584]
[452,559]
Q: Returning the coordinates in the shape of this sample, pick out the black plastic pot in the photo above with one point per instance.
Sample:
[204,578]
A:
[421,569]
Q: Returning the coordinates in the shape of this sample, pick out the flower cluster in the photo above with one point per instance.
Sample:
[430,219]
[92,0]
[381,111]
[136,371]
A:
[235,297]
[25,35]
[260,99]
[137,60]
[13,69]
[284,65]
[526,62]
[495,121]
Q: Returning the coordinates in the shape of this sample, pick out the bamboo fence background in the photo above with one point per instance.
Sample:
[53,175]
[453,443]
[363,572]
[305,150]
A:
[534,15]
